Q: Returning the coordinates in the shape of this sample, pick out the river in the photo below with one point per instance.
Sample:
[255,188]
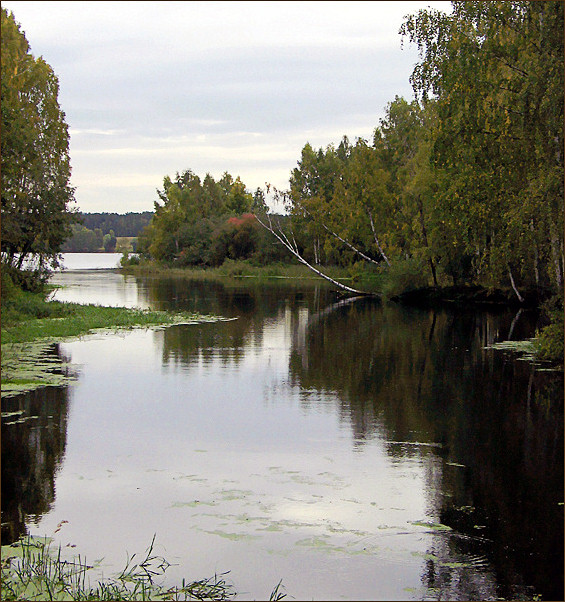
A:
[357,450]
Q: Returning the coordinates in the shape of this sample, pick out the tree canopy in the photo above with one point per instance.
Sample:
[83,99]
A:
[202,222]
[467,178]
[36,190]
[463,184]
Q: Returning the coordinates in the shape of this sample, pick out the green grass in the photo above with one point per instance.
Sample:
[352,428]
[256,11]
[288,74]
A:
[31,324]
[32,570]
[68,320]
[239,269]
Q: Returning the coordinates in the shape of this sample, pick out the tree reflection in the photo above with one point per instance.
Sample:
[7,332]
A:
[34,432]
[494,426]
[426,376]
[253,307]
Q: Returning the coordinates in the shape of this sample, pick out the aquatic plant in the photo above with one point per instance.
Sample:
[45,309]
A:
[32,570]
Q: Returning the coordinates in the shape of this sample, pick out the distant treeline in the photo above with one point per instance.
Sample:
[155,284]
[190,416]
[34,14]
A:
[128,224]
[100,231]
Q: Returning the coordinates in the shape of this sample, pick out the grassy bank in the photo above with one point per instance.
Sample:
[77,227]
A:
[32,570]
[67,320]
[236,269]
[28,316]
[31,325]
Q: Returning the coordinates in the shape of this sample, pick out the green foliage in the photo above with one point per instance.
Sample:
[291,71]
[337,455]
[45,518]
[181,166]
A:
[466,181]
[202,223]
[36,191]
[126,224]
[495,73]
[32,570]
[83,240]
[127,260]
[549,340]
[402,276]
[109,242]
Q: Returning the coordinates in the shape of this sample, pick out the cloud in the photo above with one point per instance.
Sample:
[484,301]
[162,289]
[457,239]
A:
[154,88]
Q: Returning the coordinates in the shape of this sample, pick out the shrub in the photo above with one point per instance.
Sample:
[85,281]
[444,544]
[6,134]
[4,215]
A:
[402,276]
[550,338]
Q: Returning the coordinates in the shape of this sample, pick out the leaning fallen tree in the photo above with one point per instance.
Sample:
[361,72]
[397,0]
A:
[274,226]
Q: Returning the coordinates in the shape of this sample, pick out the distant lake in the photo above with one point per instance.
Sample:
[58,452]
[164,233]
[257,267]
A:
[91,261]
[354,449]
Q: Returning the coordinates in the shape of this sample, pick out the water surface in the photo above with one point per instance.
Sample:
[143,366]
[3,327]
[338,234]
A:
[354,450]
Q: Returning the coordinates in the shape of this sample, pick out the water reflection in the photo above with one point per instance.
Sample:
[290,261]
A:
[346,446]
[34,430]
[413,377]
[426,376]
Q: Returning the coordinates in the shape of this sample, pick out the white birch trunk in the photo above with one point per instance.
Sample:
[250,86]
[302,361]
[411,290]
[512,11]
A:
[293,248]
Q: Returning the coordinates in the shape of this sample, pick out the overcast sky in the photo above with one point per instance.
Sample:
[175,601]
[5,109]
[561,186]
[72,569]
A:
[154,88]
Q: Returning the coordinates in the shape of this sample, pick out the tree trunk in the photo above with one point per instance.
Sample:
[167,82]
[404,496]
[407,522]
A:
[555,255]
[293,248]
[376,239]
[425,238]
[520,298]
[345,242]
[536,255]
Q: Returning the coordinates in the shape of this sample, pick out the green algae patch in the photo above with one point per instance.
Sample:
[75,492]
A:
[321,544]
[29,357]
[29,366]
[526,350]
[193,504]
[232,536]
[78,320]
[234,494]
[21,547]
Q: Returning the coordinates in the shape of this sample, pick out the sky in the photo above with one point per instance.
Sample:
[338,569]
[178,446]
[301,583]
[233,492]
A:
[151,89]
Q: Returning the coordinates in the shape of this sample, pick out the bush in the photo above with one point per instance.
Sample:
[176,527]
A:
[236,267]
[19,304]
[550,338]
[402,276]
[127,259]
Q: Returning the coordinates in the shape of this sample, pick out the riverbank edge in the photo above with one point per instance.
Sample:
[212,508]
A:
[548,341]
[27,362]
[74,320]
[472,296]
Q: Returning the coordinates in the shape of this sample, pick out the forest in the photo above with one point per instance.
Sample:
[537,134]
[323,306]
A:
[461,185]
[100,231]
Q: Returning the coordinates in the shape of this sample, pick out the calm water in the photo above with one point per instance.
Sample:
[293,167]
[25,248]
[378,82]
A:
[353,450]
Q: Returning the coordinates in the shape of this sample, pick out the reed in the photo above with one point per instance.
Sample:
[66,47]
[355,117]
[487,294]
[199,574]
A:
[33,570]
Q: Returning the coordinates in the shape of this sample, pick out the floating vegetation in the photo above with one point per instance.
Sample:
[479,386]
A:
[192,504]
[28,366]
[320,543]
[29,359]
[234,494]
[526,349]
[232,536]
